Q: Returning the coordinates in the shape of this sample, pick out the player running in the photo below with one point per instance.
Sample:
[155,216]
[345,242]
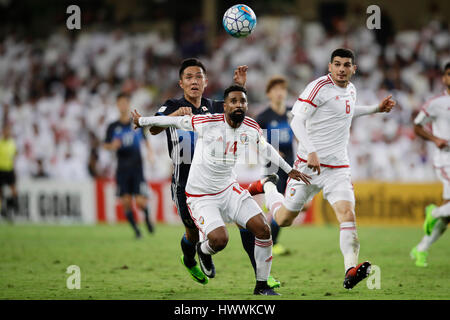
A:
[321,123]
[213,195]
[436,111]
[193,81]
[121,138]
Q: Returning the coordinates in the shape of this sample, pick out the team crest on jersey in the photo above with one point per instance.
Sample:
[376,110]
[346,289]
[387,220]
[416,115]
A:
[162,109]
[337,97]
[201,220]
[292,192]
[204,109]
[244,137]
[352,93]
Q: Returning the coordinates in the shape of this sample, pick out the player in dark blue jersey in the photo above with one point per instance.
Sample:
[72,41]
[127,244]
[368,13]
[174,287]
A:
[276,121]
[193,81]
[126,142]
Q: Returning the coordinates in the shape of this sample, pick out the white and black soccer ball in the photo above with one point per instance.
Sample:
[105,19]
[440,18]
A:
[239,20]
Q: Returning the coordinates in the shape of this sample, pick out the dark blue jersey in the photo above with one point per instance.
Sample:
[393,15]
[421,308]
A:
[278,130]
[129,153]
[181,143]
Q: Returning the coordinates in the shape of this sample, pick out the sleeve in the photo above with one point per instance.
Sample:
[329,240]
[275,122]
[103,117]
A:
[299,128]
[427,113]
[422,118]
[311,98]
[109,133]
[268,152]
[183,123]
[429,108]
[167,108]
[364,110]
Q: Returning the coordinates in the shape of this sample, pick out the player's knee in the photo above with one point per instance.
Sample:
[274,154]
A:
[126,202]
[347,215]
[218,243]
[263,232]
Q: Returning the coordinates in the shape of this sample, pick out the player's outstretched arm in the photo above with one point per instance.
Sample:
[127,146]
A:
[182,122]
[180,112]
[385,105]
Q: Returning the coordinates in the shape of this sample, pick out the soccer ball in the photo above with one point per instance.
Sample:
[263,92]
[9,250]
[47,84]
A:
[239,20]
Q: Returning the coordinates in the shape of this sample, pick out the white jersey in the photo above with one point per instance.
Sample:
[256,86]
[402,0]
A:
[219,147]
[329,109]
[437,111]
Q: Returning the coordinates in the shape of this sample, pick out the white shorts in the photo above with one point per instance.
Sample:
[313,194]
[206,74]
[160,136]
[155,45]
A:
[335,182]
[443,174]
[234,204]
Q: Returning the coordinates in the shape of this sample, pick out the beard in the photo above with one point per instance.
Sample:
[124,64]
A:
[237,116]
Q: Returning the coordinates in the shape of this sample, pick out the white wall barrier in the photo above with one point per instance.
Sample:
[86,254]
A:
[52,201]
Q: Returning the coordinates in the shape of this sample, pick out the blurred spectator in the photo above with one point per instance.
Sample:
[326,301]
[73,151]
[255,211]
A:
[40,170]
[58,92]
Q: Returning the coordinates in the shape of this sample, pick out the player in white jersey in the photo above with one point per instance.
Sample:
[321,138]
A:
[213,195]
[436,111]
[321,123]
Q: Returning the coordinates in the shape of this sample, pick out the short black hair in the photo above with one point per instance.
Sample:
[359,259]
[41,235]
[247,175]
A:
[123,95]
[233,88]
[191,62]
[343,53]
[447,66]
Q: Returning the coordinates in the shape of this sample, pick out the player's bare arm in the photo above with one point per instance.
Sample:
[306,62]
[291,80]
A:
[427,135]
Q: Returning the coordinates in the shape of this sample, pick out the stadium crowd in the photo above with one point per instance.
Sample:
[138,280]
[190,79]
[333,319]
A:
[58,94]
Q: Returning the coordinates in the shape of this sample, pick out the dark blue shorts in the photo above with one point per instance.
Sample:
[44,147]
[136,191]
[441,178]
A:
[131,182]
[179,197]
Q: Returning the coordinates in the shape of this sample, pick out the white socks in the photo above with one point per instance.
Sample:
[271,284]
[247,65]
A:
[349,243]
[273,198]
[438,230]
[206,249]
[442,211]
[263,258]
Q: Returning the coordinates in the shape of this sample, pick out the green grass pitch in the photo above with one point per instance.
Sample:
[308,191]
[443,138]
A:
[114,265]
